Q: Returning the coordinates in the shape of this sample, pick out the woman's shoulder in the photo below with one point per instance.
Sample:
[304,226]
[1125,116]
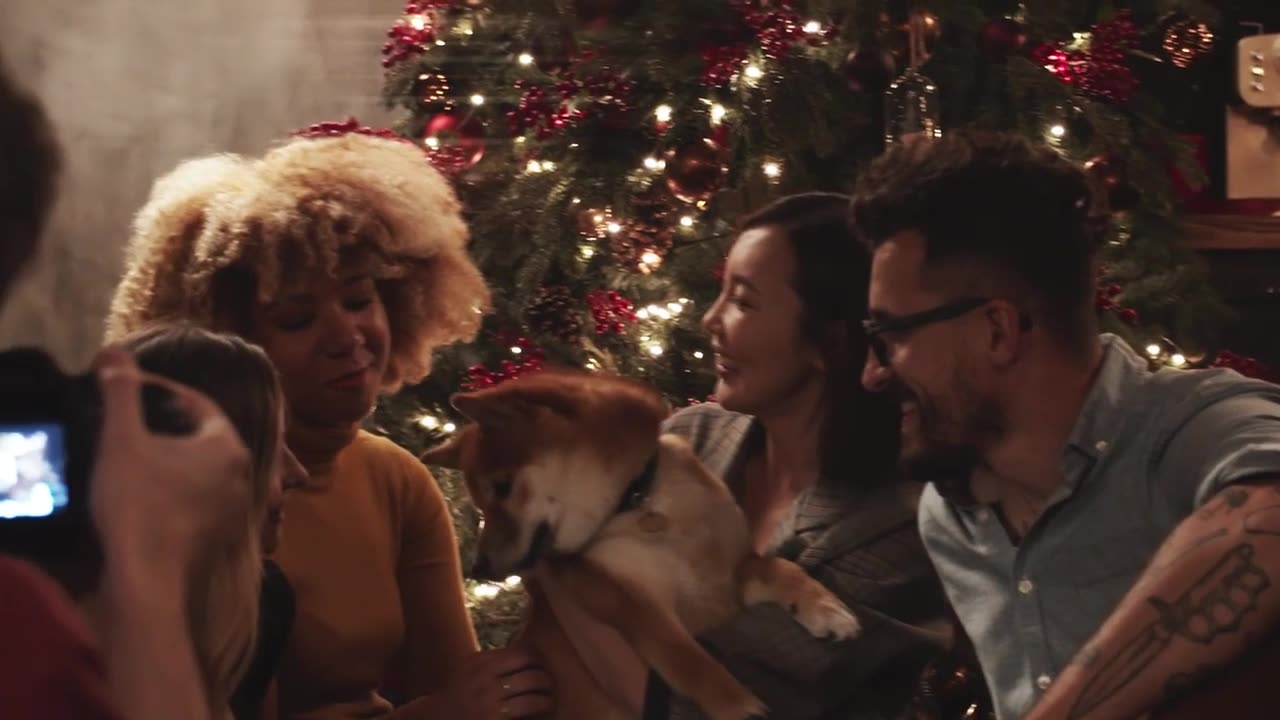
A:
[703,418]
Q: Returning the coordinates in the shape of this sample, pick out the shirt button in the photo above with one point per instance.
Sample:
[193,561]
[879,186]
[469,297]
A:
[1043,682]
[1101,445]
[1025,586]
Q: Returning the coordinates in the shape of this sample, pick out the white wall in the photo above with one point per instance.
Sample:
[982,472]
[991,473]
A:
[135,86]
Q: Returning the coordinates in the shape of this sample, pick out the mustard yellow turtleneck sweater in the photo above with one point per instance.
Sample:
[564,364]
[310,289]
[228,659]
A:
[369,548]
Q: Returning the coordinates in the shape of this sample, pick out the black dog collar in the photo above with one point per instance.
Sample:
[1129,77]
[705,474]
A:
[639,488]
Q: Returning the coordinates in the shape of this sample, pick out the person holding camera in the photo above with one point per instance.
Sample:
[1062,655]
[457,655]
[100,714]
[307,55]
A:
[343,254]
[156,501]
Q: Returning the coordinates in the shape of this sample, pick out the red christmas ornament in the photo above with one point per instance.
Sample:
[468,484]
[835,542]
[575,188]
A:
[1001,38]
[454,140]
[868,70]
[611,311]
[695,171]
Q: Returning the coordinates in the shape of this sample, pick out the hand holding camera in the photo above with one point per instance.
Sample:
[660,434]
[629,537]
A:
[160,496]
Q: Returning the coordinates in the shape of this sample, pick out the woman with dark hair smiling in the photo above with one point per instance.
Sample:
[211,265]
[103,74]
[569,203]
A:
[811,457]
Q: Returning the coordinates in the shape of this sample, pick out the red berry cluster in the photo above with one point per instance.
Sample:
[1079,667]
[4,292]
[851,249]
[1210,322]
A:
[1247,366]
[611,311]
[1107,74]
[1103,70]
[408,38]
[1105,301]
[350,126]
[776,25]
[540,112]
[532,359]
[721,62]
[1058,61]
[604,94]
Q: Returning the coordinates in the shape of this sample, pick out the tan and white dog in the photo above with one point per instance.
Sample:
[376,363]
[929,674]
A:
[573,475]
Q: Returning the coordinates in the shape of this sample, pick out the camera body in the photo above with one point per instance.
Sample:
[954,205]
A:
[50,424]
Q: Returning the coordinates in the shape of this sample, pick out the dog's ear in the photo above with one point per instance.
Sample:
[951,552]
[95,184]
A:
[489,408]
[447,454]
[507,406]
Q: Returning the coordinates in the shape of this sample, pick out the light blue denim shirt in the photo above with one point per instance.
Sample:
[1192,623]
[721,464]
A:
[1147,449]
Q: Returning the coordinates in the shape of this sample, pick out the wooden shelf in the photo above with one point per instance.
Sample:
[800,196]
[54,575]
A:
[1233,232]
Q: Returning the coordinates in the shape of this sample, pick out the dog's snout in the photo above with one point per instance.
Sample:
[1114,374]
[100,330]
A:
[482,569]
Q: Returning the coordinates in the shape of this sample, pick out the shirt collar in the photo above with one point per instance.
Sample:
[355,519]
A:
[1108,406]
[1103,416]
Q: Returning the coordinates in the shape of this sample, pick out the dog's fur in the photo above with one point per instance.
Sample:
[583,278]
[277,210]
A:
[558,450]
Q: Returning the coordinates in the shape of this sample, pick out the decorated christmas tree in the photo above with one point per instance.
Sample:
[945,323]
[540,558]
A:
[604,148]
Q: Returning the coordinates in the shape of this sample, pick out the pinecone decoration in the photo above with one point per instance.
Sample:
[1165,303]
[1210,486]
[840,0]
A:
[646,235]
[554,312]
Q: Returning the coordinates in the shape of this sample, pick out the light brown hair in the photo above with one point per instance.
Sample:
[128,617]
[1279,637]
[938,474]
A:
[223,597]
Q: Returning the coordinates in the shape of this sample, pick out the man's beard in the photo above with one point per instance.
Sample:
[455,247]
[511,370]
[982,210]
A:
[947,446]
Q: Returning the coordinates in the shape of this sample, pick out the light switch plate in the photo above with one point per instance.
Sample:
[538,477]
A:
[1258,70]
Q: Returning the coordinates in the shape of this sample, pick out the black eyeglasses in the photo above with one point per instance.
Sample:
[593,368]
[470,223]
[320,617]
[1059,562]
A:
[873,329]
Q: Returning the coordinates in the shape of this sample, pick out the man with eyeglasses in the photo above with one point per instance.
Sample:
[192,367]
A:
[1106,533]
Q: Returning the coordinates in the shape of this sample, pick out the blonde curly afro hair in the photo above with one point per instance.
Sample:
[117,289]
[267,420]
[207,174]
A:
[220,232]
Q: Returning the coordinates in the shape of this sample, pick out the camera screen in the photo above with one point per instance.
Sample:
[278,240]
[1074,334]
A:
[32,482]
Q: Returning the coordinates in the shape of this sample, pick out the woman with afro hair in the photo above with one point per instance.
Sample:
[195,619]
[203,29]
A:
[344,256]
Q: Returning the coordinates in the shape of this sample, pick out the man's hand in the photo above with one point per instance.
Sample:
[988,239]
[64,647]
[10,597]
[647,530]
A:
[1213,588]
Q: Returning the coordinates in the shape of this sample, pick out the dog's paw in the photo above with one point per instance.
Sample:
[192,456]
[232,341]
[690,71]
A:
[743,706]
[826,617]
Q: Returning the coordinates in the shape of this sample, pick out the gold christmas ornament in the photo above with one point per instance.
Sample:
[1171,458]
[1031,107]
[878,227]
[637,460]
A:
[1187,41]
[432,88]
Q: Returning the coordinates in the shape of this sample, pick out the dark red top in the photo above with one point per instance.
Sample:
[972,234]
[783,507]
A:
[50,667]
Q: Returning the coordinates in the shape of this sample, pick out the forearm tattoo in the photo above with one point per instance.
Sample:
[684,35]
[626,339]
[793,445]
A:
[1214,605]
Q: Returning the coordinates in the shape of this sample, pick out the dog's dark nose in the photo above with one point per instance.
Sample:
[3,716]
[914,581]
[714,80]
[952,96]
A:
[481,570]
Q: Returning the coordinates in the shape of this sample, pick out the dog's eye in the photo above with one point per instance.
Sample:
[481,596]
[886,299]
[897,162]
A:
[502,488]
